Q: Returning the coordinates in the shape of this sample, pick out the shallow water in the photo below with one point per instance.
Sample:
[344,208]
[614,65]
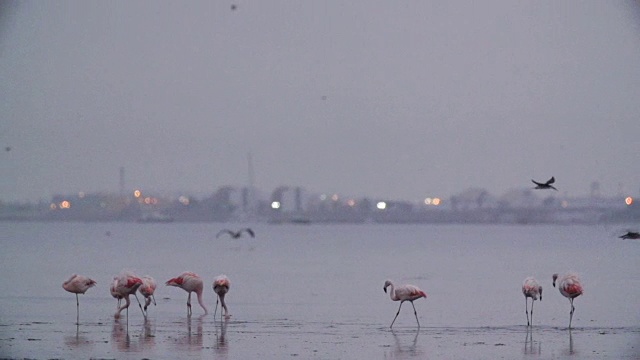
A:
[315,291]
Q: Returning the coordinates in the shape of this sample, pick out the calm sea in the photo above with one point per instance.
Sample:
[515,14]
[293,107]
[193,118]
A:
[315,291]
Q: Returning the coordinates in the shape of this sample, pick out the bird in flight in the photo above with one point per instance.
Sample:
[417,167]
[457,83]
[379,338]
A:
[630,235]
[546,185]
[236,234]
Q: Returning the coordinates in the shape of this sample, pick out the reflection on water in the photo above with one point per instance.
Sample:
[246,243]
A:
[192,340]
[120,336]
[531,347]
[77,340]
[122,340]
[221,348]
[571,350]
[405,347]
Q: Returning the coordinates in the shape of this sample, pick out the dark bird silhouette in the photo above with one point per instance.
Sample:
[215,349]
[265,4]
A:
[630,235]
[236,234]
[546,185]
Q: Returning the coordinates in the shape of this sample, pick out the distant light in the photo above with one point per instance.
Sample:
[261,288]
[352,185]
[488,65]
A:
[323,197]
[351,202]
[184,200]
[147,200]
[628,200]
[564,204]
[427,201]
[334,197]
[137,193]
[275,205]
[53,206]
[436,201]
[65,205]
[81,194]
[381,205]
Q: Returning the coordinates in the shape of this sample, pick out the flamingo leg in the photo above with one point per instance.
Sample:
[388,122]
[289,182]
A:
[189,305]
[140,305]
[154,300]
[415,313]
[526,309]
[216,308]
[77,310]
[394,319]
[532,302]
[571,313]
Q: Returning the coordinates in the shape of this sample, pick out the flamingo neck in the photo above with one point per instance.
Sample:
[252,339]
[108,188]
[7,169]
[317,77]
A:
[126,305]
[201,302]
[392,293]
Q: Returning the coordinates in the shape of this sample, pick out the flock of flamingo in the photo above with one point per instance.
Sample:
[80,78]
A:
[127,284]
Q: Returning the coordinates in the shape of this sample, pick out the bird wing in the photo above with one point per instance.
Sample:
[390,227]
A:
[248,230]
[222,232]
[551,181]
[537,183]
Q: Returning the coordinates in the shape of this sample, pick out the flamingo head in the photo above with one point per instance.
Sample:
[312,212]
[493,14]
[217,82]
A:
[386,284]
[555,277]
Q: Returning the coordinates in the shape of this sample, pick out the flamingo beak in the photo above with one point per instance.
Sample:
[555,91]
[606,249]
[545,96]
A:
[385,289]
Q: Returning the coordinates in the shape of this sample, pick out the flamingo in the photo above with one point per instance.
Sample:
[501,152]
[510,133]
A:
[78,284]
[236,234]
[147,289]
[221,285]
[546,185]
[530,289]
[189,282]
[114,292]
[124,285]
[404,293]
[570,287]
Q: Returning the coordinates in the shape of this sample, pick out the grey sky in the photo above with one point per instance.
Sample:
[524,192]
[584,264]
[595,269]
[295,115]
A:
[397,99]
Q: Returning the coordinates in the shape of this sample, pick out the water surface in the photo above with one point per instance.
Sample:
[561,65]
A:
[315,291]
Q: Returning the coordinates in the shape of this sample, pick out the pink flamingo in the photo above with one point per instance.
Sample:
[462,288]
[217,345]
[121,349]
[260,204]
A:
[570,287]
[189,282]
[124,285]
[404,293]
[147,289]
[114,292]
[530,289]
[78,284]
[221,285]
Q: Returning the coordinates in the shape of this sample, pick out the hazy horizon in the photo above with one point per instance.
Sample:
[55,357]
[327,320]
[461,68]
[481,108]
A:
[398,100]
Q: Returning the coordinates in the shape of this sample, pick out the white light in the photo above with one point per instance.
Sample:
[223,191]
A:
[275,205]
[427,201]
[381,205]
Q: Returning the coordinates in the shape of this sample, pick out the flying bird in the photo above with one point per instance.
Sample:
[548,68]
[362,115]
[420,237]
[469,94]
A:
[125,284]
[404,293]
[630,235]
[236,234]
[530,289]
[189,282]
[221,285]
[546,185]
[78,284]
[570,287]
[147,289]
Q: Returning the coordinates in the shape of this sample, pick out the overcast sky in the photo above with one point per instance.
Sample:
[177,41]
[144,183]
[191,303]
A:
[398,99]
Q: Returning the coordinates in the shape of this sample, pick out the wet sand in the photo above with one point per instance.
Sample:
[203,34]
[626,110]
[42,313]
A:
[202,337]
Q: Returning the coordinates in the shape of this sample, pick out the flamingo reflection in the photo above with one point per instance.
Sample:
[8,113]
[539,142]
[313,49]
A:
[192,340]
[221,348]
[529,345]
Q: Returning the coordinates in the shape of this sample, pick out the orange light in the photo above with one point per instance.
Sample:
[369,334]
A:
[628,200]
[137,193]
[65,205]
